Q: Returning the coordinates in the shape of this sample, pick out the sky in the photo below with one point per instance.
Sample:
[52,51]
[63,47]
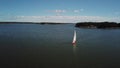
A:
[68,11]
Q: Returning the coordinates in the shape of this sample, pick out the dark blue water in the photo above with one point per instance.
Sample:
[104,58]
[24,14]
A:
[49,46]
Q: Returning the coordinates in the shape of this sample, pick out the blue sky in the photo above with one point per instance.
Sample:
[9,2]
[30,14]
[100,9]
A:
[59,10]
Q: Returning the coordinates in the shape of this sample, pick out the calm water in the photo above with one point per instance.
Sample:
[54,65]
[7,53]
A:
[49,46]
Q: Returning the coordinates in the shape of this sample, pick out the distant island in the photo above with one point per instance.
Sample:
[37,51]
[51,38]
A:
[99,25]
[16,22]
[43,23]
[53,23]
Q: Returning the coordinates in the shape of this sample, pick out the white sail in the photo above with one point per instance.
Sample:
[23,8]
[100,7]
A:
[74,37]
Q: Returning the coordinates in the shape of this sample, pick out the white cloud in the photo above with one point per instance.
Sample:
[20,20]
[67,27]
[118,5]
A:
[76,11]
[65,19]
[62,11]
[57,11]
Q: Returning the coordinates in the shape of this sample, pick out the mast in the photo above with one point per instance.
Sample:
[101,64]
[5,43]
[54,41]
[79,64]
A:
[74,38]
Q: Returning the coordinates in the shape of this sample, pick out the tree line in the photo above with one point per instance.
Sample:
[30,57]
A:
[98,25]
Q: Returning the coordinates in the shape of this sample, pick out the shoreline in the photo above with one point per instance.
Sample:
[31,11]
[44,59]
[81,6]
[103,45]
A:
[42,23]
[89,25]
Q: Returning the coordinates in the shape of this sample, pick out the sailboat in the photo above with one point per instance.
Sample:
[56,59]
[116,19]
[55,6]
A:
[74,38]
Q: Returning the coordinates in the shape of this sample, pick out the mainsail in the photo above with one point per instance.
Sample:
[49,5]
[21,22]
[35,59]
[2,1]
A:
[74,38]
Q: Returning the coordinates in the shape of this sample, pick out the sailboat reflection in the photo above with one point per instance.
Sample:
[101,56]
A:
[75,56]
[75,51]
